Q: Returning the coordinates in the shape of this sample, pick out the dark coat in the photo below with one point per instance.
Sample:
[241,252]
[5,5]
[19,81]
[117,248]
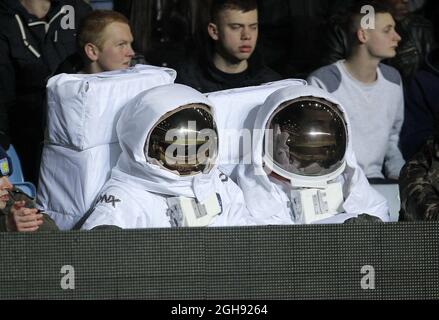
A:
[421,114]
[26,65]
[419,185]
[203,76]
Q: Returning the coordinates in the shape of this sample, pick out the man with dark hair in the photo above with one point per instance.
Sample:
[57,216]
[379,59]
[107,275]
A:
[417,39]
[418,184]
[35,37]
[422,107]
[230,60]
[371,91]
[421,116]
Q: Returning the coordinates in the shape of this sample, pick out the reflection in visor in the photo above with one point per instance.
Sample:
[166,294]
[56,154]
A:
[308,137]
[184,141]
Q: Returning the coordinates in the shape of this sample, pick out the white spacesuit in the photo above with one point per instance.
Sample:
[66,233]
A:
[166,175]
[303,168]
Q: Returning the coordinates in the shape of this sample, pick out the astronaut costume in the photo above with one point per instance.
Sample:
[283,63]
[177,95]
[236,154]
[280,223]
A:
[301,144]
[146,189]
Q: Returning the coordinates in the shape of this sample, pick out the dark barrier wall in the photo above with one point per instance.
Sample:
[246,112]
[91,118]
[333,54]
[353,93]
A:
[379,261]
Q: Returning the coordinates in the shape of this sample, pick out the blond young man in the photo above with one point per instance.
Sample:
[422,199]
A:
[104,44]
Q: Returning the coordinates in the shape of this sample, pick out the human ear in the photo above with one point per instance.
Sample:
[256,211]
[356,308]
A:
[362,35]
[91,51]
[212,29]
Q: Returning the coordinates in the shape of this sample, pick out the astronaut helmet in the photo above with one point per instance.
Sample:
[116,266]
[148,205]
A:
[184,141]
[306,140]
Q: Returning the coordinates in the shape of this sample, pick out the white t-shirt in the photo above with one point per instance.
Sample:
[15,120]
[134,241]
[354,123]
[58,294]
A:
[376,113]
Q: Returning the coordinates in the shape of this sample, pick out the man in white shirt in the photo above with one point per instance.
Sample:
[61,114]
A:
[370,91]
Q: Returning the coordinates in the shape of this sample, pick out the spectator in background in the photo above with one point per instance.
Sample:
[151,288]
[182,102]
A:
[17,210]
[416,5]
[418,184]
[421,108]
[230,60]
[370,91]
[416,38]
[35,37]
[291,33]
[104,44]
[430,11]
[422,104]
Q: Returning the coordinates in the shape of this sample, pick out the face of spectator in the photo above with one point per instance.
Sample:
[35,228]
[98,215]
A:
[400,8]
[383,40]
[235,34]
[5,185]
[116,52]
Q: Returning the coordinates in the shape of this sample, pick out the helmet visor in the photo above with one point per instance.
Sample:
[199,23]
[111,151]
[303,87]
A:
[307,136]
[184,141]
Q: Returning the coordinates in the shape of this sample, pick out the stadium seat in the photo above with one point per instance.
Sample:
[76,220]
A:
[17,178]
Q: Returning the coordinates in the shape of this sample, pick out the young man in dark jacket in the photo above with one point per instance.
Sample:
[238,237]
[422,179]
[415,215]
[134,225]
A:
[419,179]
[230,60]
[35,37]
[421,107]
[17,210]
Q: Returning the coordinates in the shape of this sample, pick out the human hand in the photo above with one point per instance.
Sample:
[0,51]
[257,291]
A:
[24,219]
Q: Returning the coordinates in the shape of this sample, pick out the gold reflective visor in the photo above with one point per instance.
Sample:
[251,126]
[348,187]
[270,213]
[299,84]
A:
[184,141]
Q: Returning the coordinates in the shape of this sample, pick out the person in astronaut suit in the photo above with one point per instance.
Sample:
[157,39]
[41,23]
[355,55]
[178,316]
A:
[302,167]
[166,175]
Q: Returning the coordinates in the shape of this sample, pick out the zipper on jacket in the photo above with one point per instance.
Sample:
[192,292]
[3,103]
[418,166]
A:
[23,36]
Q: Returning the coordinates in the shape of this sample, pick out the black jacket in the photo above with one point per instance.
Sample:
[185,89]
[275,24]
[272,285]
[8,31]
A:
[416,42]
[421,114]
[419,184]
[26,65]
[205,77]
[30,51]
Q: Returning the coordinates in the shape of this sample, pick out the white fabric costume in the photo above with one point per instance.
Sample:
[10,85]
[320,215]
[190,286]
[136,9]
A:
[136,195]
[234,109]
[81,145]
[267,197]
